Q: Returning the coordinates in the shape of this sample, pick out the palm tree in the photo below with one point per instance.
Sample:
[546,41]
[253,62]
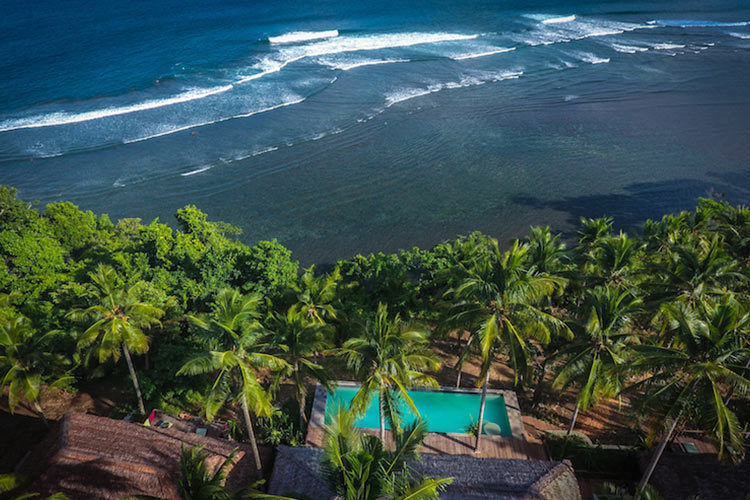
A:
[594,230]
[497,300]
[118,320]
[196,482]
[26,361]
[357,466]
[297,338]
[547,253]
[595,358]
[236,361]
[318,294]
[612,260]
[706,358]
[694,272]
[388,357]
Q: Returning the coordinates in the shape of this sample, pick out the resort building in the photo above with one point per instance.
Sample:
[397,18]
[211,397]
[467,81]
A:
[297,470]
[90,457]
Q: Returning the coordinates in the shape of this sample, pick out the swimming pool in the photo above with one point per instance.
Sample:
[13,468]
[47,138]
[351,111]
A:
[444,411]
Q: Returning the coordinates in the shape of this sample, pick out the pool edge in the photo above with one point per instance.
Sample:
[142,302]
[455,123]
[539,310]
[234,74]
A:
[315,427]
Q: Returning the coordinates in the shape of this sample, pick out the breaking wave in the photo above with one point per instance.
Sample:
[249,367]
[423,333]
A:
[696,23]
[65,118]
[302,36]
[558,20]
[402,95]
[338,45]
[498,50]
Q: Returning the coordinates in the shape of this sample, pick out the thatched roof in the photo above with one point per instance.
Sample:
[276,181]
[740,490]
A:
[297,470]
[681,475]
[95,457]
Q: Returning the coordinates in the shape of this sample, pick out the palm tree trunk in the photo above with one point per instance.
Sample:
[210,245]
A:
[657,454]
[302,404]
[460,367]
[38,410]
[539,389]
[481,410]
[381,404]
[251,434]
[573,421]
[301,396]
[134,378]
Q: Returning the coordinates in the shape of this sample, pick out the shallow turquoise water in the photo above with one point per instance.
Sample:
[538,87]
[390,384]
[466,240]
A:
[443,411]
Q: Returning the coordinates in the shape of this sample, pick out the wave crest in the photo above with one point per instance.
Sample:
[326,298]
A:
[302,36]
[558,20]
[66,118]
[696,23]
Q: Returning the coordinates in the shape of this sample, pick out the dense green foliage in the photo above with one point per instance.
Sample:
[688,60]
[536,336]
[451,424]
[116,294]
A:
[663,316]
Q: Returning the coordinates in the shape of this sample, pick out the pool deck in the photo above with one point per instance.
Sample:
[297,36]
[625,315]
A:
[447,443]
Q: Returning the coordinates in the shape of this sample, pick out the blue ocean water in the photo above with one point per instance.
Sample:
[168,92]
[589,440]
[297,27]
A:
[341,127]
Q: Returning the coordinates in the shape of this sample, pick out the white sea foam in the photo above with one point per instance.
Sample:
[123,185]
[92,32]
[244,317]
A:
[628,49]
[590,58]
[339,45]
[667,46]
[65,118]
[402,95]
[697,23]
[498,50]
[297,100]
[743,36]
[351,64]
[302,36]
[558,20]
[576,29]
[258,152]
[197,170]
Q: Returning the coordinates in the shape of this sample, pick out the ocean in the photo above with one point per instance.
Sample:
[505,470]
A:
[350,127]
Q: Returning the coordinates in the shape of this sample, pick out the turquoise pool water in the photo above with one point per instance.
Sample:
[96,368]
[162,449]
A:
[443,411]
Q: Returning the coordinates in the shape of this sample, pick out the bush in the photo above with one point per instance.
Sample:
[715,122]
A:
[621,463]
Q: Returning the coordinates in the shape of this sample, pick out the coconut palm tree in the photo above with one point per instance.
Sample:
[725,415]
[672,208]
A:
[594,360]
[237,359]
[706,358]
[296,337]
[594,230]
[317,295]
[196,481]
[612,260]
[119,317]
[693,272]
[497,300]
[357,466]
[547,253]
[26,362]
[389,356]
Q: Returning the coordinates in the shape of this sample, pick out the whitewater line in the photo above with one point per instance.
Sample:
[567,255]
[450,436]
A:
[203,124]
[63,118]
[303,36]
[483,54]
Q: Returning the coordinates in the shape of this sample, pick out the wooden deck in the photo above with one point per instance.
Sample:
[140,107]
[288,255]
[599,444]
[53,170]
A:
[460,444]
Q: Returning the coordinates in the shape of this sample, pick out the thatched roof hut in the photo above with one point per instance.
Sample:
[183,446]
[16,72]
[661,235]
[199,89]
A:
[682,475]
[297,470]
[89,457]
